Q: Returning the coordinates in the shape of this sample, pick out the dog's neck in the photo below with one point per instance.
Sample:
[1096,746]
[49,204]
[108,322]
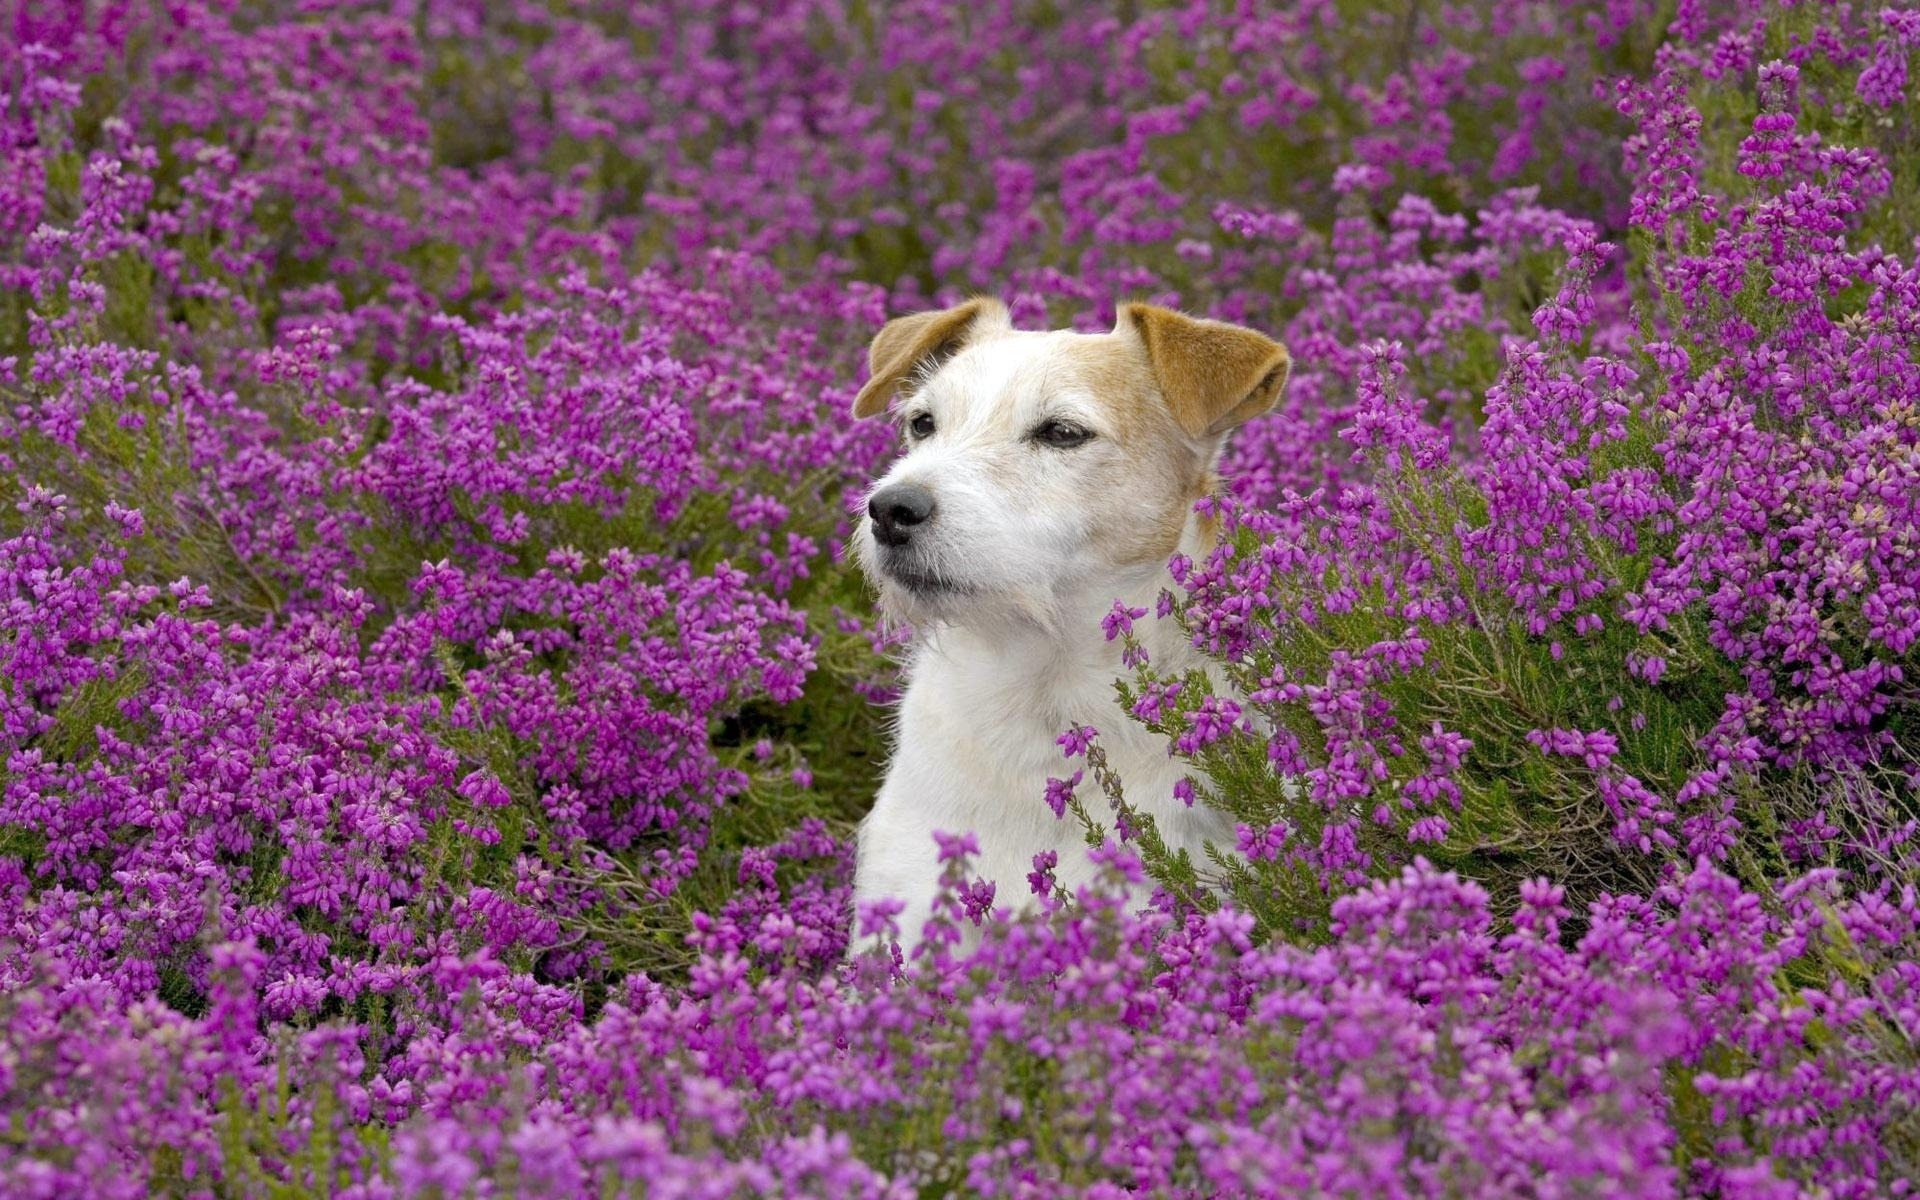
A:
[1061,672]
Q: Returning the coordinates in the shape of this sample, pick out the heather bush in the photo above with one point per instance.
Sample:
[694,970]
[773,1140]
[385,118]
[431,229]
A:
[1663,585]
[435,702]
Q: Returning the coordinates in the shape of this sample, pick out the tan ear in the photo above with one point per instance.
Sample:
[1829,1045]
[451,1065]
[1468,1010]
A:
[1214,375]
[903,344]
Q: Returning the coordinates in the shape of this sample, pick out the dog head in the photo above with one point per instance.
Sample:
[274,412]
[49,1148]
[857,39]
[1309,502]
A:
[1040,465]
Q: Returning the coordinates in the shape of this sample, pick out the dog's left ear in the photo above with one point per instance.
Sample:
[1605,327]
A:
[905,343]
[1215,376]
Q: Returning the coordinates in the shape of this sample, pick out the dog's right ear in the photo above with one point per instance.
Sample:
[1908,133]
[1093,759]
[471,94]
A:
[902,345]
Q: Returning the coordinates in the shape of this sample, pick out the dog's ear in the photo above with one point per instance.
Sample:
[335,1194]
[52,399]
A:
[1214,375]
[904,344]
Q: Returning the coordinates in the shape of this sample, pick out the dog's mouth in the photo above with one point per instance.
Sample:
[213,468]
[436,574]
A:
[923,582]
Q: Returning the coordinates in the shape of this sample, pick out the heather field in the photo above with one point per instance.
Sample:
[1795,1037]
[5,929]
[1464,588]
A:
[435,703]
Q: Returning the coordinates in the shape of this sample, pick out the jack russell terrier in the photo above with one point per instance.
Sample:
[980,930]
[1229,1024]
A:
[1045,476]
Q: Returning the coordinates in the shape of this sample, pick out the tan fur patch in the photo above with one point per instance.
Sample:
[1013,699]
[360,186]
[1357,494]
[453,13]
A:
[904,344]
[1214,375]
[1161,471]
[1208,527]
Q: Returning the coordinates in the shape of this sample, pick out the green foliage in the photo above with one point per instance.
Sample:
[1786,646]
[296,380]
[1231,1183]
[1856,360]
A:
[1523,813]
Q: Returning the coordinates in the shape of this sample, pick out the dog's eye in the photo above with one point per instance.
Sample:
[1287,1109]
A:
[920,425]
[1061,435]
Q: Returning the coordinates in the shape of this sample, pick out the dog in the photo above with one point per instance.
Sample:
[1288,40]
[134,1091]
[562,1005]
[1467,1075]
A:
[1045,476]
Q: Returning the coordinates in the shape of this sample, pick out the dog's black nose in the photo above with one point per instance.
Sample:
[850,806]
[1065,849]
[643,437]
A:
[896,510]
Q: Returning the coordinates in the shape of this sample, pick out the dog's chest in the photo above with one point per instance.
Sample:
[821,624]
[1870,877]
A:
[1010,711]
[979,740]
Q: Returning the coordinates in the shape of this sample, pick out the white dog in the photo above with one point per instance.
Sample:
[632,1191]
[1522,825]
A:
[1045,476]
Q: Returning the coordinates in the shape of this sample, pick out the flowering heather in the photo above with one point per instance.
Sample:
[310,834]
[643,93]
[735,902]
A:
[435,704]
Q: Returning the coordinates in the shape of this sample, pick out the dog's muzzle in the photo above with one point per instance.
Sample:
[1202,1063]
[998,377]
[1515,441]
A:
[897,511]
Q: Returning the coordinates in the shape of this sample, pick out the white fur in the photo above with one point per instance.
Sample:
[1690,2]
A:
[1014,657]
